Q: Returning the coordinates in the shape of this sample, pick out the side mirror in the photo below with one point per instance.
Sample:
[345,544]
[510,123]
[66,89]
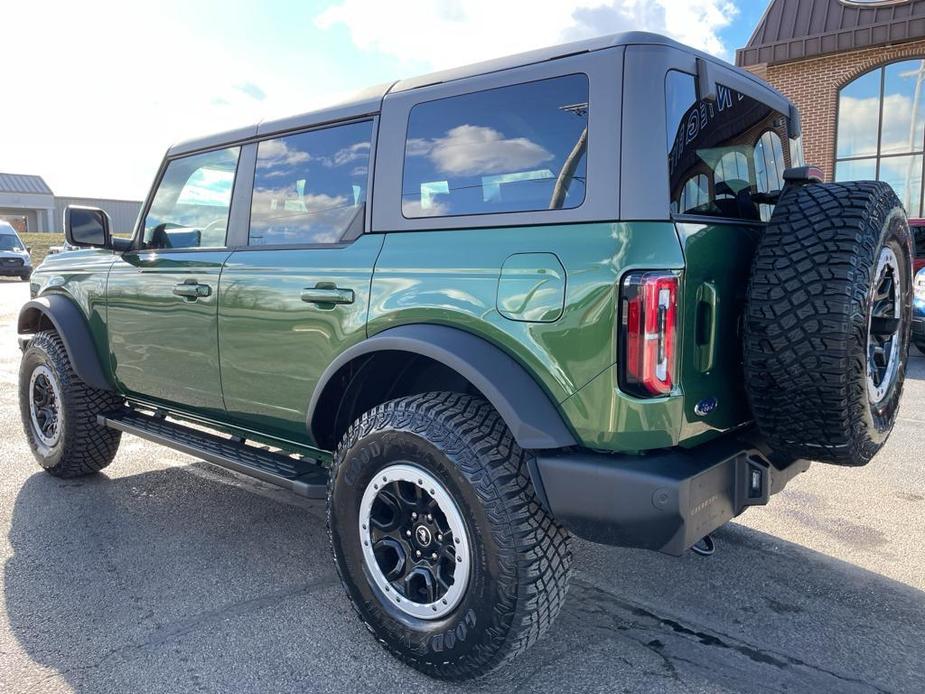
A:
[87,226]
[28,249]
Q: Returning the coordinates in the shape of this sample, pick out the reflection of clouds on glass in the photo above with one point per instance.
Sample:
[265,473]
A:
[277,153]
[355,152]
[857,125]
[904,174]
[468,150]
[276,202]
[414,208]
[207,187]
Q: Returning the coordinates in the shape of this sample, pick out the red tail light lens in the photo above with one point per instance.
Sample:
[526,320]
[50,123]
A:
[648,332]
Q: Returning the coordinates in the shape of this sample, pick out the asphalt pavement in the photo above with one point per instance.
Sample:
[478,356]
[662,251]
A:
[166,574]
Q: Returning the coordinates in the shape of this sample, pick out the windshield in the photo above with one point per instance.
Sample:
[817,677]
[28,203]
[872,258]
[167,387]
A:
[8,242]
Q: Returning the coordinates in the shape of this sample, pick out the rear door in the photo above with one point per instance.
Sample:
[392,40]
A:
[163,295]
[297,294]
[724,155]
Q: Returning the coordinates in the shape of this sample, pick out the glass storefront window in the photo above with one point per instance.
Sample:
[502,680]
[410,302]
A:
[881,130]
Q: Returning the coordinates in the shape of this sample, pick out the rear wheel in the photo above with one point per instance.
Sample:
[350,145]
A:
[59,411]
[828,321]
[439,538]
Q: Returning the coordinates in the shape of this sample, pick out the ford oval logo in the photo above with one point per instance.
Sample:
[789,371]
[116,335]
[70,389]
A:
[705,407]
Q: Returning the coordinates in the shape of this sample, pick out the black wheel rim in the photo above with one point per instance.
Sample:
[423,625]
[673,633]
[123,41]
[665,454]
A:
[885,329]
[44,405]
[414,542]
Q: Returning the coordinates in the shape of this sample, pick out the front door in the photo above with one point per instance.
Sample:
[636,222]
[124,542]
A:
[298,295]
[163,295]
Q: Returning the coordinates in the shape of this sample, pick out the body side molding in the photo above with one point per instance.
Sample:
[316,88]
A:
[528,411]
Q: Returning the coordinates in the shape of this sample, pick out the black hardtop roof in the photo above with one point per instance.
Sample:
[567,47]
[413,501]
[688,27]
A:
[369,101]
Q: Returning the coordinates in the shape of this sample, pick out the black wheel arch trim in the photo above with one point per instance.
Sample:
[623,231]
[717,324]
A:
[71,324]
[531,415]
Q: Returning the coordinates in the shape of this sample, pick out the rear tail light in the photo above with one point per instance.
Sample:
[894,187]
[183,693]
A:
[648,333]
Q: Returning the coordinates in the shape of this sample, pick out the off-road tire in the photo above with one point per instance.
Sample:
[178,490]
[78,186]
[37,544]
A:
[808,319]
[83,446]
[521,556]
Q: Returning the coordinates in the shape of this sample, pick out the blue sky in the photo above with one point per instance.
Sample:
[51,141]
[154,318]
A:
[115,87]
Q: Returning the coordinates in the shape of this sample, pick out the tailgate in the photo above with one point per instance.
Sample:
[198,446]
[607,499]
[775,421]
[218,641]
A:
[718,259]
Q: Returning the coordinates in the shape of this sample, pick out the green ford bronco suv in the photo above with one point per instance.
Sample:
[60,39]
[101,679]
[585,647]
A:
[590,290]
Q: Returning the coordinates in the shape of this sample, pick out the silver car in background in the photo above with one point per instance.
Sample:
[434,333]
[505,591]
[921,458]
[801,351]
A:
[15,260]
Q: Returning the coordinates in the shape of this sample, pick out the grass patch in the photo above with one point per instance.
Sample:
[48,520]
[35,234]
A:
[40,243]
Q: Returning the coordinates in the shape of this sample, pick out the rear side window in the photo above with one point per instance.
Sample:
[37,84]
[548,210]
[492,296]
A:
[512,149]
[310,188]
[723,155]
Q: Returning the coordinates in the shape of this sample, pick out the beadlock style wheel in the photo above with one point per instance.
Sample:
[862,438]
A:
[414,540]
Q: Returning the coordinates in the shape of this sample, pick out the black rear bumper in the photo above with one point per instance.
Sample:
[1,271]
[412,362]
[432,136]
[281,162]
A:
[664,501]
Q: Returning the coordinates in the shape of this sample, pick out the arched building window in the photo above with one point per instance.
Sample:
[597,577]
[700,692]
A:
[881,130]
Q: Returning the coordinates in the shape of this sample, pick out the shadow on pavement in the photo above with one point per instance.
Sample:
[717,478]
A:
[184,579]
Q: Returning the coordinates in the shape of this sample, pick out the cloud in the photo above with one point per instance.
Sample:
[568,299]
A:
[251,90]
[468,150]
[445,33]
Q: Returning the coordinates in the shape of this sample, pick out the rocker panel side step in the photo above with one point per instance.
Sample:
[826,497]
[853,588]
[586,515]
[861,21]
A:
[303,476]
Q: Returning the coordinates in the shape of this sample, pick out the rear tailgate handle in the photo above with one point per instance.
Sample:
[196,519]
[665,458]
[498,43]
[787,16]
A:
[705,330]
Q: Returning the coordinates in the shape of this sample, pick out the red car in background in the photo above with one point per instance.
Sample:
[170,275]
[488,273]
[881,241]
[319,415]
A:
[918,234]
[918,263]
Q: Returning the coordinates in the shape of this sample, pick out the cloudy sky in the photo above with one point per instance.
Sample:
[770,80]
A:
[95,91]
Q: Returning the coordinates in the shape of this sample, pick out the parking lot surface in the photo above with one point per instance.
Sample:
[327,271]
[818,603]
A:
[166,574]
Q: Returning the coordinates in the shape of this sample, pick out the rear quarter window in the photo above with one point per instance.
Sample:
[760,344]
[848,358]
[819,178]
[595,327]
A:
[511,149]
[723,154]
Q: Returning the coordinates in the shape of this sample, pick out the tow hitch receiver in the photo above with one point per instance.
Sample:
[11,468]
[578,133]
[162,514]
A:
[665,501]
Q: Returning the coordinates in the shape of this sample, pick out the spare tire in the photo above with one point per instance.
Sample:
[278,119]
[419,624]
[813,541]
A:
[828,320]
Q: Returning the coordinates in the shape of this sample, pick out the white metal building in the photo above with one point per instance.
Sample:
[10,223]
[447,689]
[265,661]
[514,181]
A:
[29,204]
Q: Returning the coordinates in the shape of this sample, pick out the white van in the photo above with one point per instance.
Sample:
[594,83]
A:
[15,260]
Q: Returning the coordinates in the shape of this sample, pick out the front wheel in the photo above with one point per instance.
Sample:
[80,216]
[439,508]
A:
[59,411]
[438,536]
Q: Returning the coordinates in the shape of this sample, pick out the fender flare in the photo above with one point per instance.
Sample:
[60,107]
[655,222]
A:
[71,324]
[529,413]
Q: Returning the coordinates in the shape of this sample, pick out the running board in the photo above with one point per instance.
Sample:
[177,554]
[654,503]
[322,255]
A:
[302,475]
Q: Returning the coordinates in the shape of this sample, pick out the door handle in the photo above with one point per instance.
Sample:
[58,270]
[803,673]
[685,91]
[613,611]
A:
[324,294]
[707,318]
[191,289]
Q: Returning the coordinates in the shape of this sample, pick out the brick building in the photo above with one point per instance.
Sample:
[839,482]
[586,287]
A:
[856,70]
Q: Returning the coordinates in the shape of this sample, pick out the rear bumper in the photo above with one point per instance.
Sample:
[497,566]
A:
[664,501]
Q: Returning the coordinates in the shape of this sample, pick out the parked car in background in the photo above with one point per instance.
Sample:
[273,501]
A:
[918,311]
[15,260]
[918,239]
[63,248]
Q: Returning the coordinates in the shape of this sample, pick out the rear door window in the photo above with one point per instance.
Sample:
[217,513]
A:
[723,154]
[511,149]
[310,188]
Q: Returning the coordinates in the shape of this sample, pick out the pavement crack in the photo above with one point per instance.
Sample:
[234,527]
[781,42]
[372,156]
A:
[718,640]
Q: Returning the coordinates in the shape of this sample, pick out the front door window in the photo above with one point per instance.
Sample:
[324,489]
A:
[190,207]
